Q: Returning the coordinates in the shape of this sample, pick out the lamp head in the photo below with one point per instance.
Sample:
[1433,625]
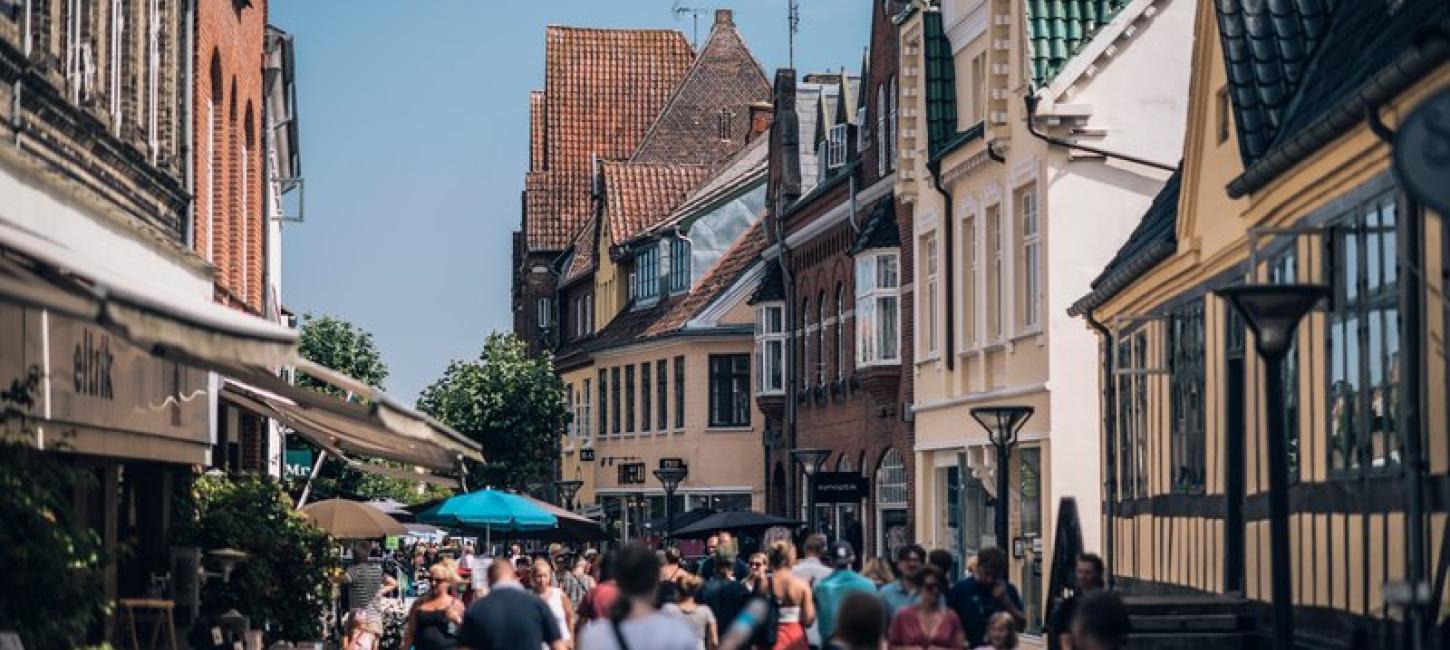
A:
[810,459]
[670,477]
[567,489]
[1273,311]
[1002,422]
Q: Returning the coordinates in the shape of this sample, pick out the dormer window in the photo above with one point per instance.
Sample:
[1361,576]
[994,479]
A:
[836,146]
[645,279]
[878,311]
[679,263]
[770,348]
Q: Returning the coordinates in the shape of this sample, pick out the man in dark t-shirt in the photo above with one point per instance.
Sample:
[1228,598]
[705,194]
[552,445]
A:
[509,618]
[722,593]
[977,597]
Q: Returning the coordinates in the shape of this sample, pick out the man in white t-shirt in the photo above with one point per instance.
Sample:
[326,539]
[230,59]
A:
[812,570]
[643,627]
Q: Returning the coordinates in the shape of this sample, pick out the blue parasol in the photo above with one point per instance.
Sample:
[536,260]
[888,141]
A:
[490,510]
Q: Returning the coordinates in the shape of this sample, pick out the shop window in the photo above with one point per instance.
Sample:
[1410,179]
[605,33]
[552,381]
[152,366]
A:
[1031,479]
[770,348]
[729,390]
[1364,340]
[878,293]
[1186,377]
[1283,269]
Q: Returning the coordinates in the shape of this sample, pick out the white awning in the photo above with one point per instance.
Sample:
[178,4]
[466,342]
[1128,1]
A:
[40,272]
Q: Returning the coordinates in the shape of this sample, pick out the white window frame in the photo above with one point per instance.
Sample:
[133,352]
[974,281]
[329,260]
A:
[115,59]
[876,289]
[996,304]
[153,78]
[882,151]
[894,126]
[1029,217]
[543,311]
[836,140]
[931,306]
[770,336]
[585,418]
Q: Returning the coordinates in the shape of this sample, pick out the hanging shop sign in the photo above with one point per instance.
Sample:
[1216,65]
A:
[586,455]
[673,463]
[297,464]
[840,487]
[1422,152]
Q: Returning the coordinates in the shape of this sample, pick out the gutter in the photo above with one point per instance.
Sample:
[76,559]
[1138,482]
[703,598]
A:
[1428,52]
[1110,401]
[1033,100]
[1122,276]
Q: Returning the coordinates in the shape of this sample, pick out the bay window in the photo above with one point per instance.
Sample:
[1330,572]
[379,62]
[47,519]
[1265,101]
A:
[878,295]
[770,348]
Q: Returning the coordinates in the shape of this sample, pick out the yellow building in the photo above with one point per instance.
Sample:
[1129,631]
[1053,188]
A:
[1284,180]
[1007,227]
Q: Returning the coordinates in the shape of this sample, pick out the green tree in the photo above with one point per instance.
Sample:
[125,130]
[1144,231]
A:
[349,349]
[511,403]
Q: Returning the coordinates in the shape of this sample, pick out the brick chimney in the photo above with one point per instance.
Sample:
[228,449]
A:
[724,17]
[760,118]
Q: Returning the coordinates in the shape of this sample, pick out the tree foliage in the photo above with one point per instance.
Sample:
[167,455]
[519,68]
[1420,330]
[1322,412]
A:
[511,403]
[349,349]
[285,582]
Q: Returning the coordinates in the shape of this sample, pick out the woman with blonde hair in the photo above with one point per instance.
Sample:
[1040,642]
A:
[793,597]
[700,617]
[542,584]
[433,622]
[1001,632]
[878,571]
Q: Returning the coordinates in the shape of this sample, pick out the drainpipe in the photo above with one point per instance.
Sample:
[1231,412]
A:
[188,128]
[1032,101]
[1110,485]
[950,348]
[1411,258]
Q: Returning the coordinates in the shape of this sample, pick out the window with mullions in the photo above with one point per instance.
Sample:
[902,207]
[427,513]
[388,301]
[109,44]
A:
[647,274]
[644,396]
[729,390]
[1283,269]
[1364,339]
[679,392]
[1185,363]
[629,398]
[1132,396]
[614,397]
[679,265]
[603,403]
[662,394]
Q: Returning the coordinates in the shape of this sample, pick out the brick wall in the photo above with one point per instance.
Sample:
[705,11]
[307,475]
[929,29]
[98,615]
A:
[230,211]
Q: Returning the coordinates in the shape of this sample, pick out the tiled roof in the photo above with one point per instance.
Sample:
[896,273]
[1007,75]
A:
[536,130]
[585,258]
[1057,29]
[1267,47]
[747,168]
[1153,240]
[880,230]
[602,90]
[639,195]
[671,315]
[724,81]
[941,85]
[771,287]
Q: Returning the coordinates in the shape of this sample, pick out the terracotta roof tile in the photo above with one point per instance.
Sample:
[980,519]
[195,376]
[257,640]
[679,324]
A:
[586,253]
[602,90]
[638,195]
[536,130]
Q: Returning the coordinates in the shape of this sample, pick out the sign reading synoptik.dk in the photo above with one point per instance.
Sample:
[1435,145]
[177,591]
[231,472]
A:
[840,487]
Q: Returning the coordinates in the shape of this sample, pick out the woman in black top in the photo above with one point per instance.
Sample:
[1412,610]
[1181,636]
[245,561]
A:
[434,621]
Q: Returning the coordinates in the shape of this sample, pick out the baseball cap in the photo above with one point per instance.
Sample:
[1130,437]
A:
[841,554]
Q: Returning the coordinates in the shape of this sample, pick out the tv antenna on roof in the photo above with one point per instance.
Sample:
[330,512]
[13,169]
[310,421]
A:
[693,12]
[793,21]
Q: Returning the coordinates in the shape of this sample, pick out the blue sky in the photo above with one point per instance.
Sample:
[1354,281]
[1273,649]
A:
[414,123]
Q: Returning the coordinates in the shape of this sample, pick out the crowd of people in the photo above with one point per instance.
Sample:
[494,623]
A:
[636,598]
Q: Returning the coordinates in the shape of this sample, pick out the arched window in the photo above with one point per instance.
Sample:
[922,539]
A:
[891,140]
[891,481]
[820,339]
[214,160]
[803,335]
[248,197]
[881,131]
[843,463]
[841,359]
[233,269]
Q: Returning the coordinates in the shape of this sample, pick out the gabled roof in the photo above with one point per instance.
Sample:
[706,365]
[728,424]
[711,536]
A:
[771,287]
[747,168]
[602,90]
[639,195]
[1267,46]
[1152,241]
[672,314]
[585,253]
[1058,29]
[723,82]
[880,229]
[1302,73]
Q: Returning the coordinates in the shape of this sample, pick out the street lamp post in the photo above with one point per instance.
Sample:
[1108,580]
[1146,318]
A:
[1273,312]
[566,491]
[811,461]
[670,478]
[1002,424]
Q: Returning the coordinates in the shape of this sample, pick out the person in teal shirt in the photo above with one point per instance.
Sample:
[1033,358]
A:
[902,592]
[834,588]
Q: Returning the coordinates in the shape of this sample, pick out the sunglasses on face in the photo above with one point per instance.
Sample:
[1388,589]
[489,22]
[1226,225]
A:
[757,564]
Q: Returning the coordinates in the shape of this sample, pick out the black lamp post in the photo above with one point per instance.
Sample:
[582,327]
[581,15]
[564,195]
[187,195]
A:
[566,491]
[670,478]
[1273,312]
[1002,424]
[811,461]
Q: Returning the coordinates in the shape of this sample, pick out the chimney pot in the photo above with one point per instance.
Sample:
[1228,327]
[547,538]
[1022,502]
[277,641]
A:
[761,114]
[724,17]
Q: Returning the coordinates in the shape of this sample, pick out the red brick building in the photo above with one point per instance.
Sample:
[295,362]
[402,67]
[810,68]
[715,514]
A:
[230,218]
[845,344]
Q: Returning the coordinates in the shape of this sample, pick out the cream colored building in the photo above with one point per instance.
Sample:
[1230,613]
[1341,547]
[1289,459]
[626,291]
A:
[1008,230]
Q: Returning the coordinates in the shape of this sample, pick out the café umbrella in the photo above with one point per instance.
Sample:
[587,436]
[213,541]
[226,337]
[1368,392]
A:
[345,519]
[490,510]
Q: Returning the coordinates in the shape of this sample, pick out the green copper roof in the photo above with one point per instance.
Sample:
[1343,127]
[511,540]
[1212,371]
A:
[1059,28]
[941,83]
